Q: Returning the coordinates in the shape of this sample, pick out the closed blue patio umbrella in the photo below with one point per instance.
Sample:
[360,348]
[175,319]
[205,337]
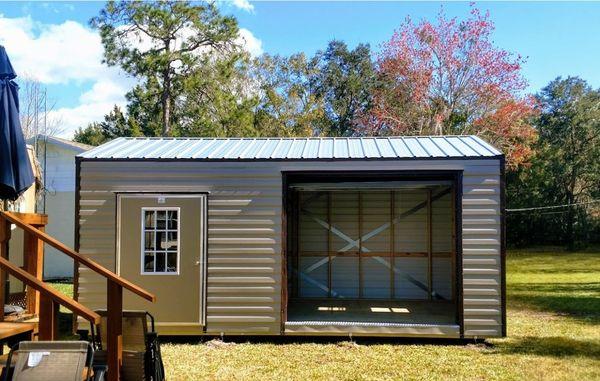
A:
[16,174]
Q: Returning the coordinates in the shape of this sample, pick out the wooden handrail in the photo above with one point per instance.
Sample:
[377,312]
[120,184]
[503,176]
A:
[109,275]
[49,292]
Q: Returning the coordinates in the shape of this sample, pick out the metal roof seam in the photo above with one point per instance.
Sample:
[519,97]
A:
[189,148]
[423,147]
[455,147]
[264,145]
[393,148]
[408,148]
[479,141]
[275,148]
[294,148]
[239,156]
[232,148]
[438,147]
[203,149]
[106,148]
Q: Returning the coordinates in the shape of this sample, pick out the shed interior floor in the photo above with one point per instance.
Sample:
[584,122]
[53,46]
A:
[372,311]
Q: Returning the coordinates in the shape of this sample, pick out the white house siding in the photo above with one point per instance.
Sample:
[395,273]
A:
[245,224]
[59,206]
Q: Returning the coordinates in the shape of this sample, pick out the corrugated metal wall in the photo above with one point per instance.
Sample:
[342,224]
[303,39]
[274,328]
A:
[244,232]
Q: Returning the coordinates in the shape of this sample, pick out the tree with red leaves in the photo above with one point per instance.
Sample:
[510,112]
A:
[448,78]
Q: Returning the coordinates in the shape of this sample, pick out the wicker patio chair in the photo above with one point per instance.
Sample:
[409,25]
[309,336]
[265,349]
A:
[141,352]
[52,361]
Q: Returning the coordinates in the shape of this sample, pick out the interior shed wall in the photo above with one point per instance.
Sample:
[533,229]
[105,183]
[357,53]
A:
[245,231]
[403,247]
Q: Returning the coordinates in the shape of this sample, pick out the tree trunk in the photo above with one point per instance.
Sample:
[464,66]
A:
[571,211]
[166,104]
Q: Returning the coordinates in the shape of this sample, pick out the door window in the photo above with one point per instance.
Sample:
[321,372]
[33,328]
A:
[160,241]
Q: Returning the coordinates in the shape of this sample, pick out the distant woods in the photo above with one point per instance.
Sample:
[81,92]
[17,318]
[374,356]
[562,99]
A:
[564,170]
[194,78]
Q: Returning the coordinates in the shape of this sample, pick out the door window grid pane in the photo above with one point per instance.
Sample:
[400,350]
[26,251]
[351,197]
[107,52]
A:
[161,241]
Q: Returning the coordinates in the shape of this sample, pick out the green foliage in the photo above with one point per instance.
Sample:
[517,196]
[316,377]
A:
[345,80]
[115,124]
[564,170]
[287,102]
[324,95]
[170,46]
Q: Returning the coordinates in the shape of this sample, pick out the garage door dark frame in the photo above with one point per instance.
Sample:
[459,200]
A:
[289,213]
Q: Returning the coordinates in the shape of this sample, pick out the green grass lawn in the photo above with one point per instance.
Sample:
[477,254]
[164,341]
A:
[553,334]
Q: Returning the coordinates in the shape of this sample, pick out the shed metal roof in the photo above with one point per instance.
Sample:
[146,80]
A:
[294,148]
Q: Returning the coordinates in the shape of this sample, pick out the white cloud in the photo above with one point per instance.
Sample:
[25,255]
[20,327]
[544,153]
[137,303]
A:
[93,104]
[250,43]
[244,5]
[70,53]
[52,53]
[65,54]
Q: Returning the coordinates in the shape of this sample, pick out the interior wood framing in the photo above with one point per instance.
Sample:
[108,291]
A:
[391,254]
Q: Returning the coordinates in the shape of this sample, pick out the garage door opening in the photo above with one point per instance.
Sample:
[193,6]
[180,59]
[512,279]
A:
[373,252]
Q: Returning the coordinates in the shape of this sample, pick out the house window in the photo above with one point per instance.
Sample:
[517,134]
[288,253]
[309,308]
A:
[160,241]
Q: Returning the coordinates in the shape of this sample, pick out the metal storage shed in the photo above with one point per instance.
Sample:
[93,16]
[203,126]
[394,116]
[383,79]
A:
[398,236]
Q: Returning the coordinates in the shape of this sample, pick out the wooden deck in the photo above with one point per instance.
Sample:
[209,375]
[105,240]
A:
[10,330]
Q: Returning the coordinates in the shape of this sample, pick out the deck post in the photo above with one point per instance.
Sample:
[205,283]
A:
[48,324]
[114,330]
[33,250]
[4,238]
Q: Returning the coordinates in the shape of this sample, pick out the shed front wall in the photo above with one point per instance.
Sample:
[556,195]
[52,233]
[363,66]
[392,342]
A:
[244,269]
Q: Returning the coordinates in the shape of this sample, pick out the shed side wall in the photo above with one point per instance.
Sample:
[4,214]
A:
[244,232]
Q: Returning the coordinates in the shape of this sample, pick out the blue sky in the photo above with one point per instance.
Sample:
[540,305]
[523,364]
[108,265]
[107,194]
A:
[557,39]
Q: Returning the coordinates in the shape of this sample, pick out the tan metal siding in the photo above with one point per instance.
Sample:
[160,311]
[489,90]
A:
[244,232]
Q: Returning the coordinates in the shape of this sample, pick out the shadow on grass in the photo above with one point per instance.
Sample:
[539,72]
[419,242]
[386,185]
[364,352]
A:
[560,298]
[573,288]
[550,346]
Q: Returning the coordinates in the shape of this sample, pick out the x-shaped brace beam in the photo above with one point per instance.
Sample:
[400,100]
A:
[355,243]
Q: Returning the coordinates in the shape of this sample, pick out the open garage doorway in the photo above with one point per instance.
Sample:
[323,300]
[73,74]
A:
[373,248]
